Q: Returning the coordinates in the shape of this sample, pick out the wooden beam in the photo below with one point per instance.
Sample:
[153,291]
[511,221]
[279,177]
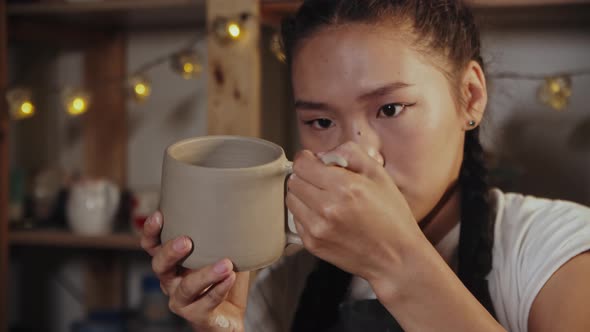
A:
[277,114]
[496,13]
[105,124]
[55,33]
[105,282]
[549,16]
[272,12]
[234,78]
[524,3]
[4,165]
[105,154]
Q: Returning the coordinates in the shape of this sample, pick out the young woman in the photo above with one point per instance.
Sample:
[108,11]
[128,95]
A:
[397,88]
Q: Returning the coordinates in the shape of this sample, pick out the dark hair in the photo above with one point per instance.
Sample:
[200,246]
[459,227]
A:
[440,27]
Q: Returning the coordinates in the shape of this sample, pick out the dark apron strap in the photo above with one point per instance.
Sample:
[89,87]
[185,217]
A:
[365,316]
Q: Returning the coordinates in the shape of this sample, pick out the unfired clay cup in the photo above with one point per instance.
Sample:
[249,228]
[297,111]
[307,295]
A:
[227,193]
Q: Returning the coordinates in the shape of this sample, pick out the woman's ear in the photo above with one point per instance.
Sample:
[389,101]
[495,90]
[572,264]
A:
[474,95]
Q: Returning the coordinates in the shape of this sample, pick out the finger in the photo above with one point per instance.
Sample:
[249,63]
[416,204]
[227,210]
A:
[306,220]
[167,258]
[312,170]
[194,285]
[238,294]
[215,295]
[359,160]
[150,237]
[310,195]
[200,309]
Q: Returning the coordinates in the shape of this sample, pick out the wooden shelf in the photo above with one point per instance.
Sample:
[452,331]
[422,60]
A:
[496,13]
[52,238]
[133,13]
[113,14]
[524,3]
[162,14]
[99,6]
[272,6]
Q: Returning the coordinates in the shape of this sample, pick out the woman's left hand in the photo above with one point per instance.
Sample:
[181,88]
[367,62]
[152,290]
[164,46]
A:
[355,217]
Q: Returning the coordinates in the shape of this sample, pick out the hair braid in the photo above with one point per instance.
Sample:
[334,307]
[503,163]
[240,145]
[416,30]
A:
[477,236]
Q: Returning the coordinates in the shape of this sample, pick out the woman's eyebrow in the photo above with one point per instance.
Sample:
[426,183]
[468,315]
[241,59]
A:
[311,105]
[383,90]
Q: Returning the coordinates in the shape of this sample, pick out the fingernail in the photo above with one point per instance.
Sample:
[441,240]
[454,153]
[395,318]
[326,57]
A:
[221,267]
[380,160]
[180,244]
[373,153]
[157,219]
[320,154]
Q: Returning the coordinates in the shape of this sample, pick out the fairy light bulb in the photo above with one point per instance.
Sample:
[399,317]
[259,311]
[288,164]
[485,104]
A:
[27,108]
[234,30]
[188,64]
[276,47]
[141,88]
[79,104]
[227,30]
[76,102]
[20,104]
[188,68]
[555,92]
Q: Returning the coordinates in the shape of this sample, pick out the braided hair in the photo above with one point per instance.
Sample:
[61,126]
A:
[446,27]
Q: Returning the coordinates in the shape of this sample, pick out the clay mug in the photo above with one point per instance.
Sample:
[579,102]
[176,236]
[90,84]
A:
[227,193]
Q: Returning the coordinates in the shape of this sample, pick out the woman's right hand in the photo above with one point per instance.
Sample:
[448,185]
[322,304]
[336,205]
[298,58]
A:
[212,298]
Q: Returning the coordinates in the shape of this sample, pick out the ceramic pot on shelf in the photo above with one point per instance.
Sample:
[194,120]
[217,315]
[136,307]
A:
[92,206]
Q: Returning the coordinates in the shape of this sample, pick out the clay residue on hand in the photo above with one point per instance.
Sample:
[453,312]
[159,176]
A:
[222,322]
[334,159]
[225,323]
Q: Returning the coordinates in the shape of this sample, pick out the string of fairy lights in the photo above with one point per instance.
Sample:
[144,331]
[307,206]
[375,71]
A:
[77,100]
[555,90]
[185,61]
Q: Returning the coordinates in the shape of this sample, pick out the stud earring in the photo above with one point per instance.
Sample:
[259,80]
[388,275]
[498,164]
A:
[471,123]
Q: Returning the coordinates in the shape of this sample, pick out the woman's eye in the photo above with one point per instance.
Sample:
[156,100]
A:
[320,123]
[391,110]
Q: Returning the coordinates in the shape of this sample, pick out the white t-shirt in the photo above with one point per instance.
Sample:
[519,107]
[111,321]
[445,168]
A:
[533,238]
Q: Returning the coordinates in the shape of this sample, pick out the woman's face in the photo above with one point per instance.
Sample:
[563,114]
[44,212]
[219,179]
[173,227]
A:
[365,84]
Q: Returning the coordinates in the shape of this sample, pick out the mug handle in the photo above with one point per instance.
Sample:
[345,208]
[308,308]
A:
[292,236]
[328,159]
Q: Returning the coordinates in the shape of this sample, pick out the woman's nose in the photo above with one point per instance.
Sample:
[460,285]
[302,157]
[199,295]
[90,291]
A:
[364,135]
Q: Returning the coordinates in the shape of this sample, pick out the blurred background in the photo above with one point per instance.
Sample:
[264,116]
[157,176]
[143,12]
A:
[95,90]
